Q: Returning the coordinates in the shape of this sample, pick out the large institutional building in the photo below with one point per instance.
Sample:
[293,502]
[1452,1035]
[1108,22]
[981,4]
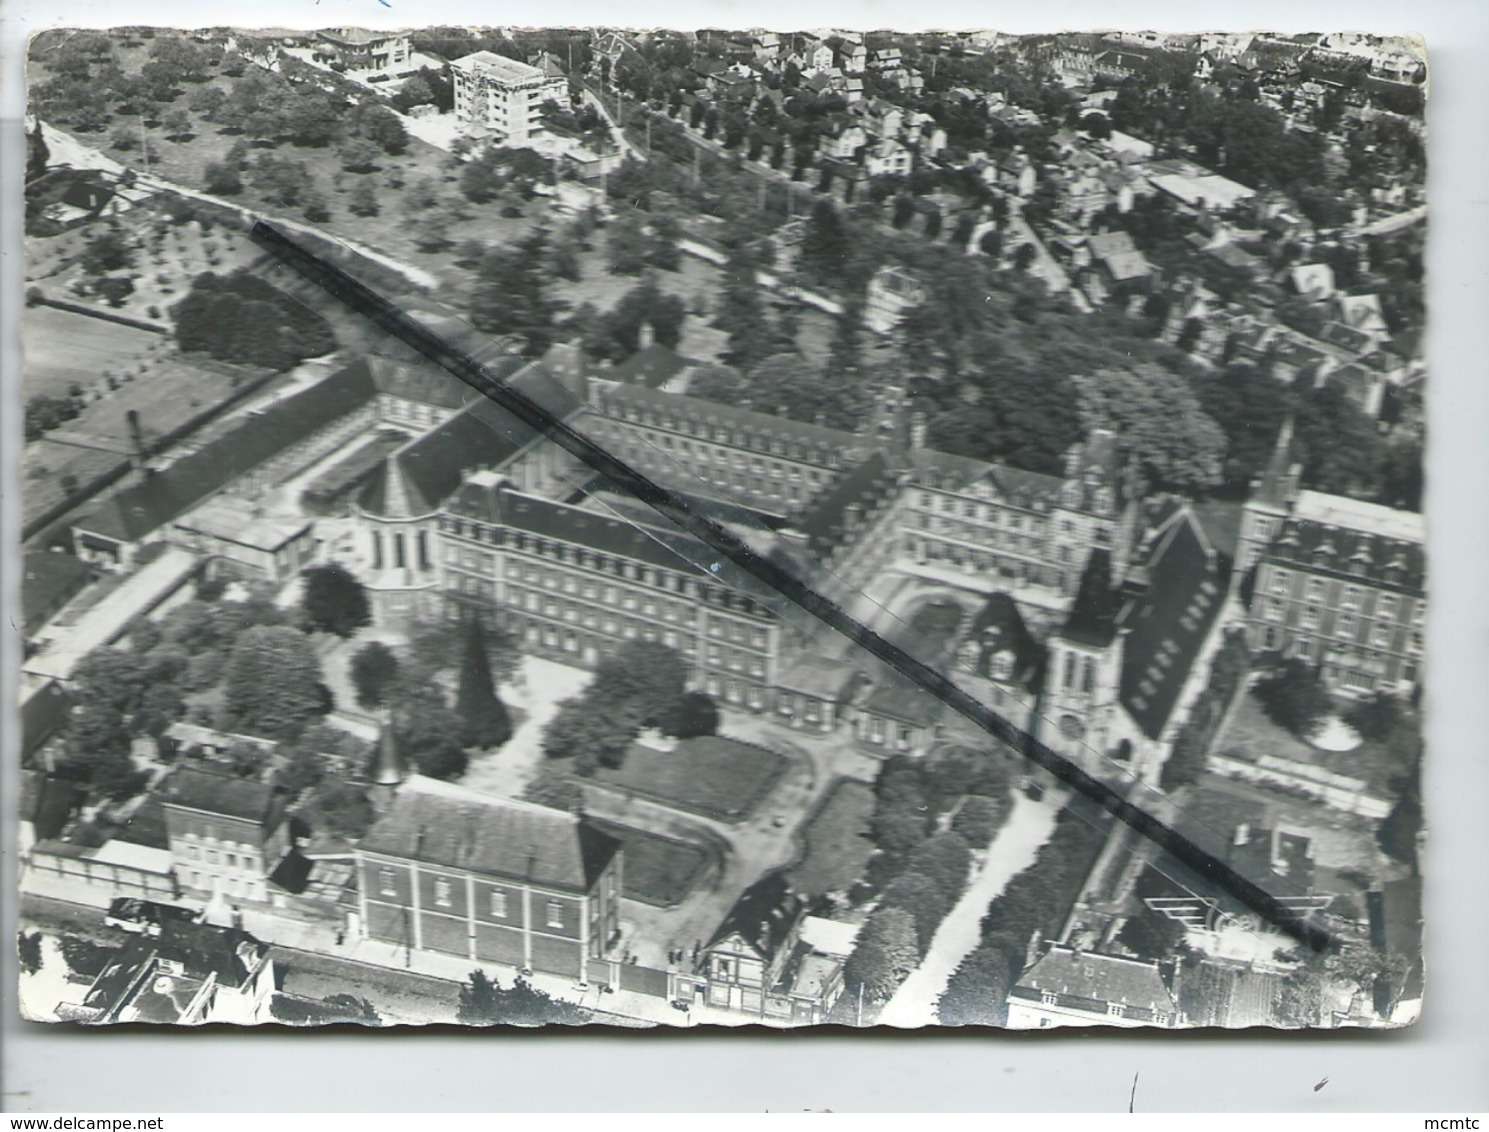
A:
[503,98]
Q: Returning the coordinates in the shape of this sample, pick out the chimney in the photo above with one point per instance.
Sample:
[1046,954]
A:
[136,438]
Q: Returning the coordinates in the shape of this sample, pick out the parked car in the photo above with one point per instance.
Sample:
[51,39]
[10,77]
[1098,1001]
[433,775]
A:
[146,916]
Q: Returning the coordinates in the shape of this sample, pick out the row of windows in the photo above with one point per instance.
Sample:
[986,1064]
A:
[722,434]
[444,893]
[982,562]
[988,512]
[213,856]
[1346,625]
[1280,584]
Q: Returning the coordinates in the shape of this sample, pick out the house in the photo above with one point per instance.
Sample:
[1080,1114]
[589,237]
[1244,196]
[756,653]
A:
[363,51]
[814,693]
[897,717]
[758,962]
[889,295]
[241,540]
[1070,987]
[818,56]
[844,144]
[1313,281]
[855,58]
[1122,264]
[888,158]
[1362,313]
[227,834]
[655,366]
[188,975]
[503,98]
[454,870]
[47,805]
[1005,660]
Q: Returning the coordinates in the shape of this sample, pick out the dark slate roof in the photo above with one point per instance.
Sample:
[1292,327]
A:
[753,430]
[1170,619]
[998,628]
[42,715]
[213,793]
[50,580]
[1092,619]
[48,802]
[439,823]
[895,697]
[164,496]
[829,521]
[652,366]
[763,916]
[146,826]
[957,473]
[1347,553]
[424,383]
[498,504]
[1100,978]
[417,478]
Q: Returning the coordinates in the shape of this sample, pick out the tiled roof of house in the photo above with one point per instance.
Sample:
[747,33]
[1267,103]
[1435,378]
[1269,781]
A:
[440,823]
[1100,978]
[417,478]
[1170,620]
[951,472]
[163,496]
[763,916]
[213,793]
[1377,559]
[845,509]
[652,366]
[894,697]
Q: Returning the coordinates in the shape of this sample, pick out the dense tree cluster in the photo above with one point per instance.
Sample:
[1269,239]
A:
[789,384]
[242,318]
[616,334]
[1295,697]
[511,294]
[272,685]
[334,601]
[484,1002]
[643,685]
[1186,760]
[1035,901]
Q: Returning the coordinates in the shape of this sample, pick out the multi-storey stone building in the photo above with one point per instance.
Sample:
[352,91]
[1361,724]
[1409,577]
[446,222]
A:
[1336,582]
[503,98]
[455,870]
[226,834]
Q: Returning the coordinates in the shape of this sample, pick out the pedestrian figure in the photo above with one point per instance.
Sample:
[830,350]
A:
[340,937]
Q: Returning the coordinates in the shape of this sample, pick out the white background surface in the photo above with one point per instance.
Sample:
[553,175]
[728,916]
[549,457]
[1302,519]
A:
[1440,1066]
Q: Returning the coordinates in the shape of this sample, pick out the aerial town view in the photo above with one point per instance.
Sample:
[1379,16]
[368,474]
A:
[1087,369]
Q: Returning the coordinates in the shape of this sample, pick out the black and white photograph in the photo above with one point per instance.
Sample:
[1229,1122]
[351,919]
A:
[726,527]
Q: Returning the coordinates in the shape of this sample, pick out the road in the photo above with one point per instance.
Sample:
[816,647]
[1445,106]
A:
[1029,826]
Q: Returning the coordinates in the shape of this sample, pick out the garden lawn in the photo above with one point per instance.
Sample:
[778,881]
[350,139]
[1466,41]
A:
[658,870]
[63,348]
[718,778]
[836,849]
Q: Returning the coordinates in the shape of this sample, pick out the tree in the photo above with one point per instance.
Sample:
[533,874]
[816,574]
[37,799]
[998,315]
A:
[1295,698]
[270,687]
[978,819]
[977,992]
[301,771]
[359,155]
[1152,936]
[590,734]
[434,649]
[825,245]
[481,710]
[334,601]
[741,315]
[483,1002]
[887,951]
[363,199]
[338,809]
[374,669]
[381,126]
[222,179]
[106,252]
[554,787]
[509,296]
[627,245]
[1158,419]
[177,125]
[924,899]
[945,860]
[645,676]
[1299,1000]
[115,289]
[428,731]
[28,947]
[694,714]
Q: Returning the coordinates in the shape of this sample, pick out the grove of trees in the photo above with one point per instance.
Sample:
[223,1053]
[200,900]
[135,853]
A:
[242,318]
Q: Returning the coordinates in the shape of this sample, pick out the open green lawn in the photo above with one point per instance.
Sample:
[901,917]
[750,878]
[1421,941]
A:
[63,349]
[716,777]
[836,850]
[658,870]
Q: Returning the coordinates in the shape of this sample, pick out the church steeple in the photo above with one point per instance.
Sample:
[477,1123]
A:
[388,768]
[1278,483]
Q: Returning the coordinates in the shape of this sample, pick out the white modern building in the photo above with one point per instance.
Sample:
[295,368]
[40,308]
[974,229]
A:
[502,98]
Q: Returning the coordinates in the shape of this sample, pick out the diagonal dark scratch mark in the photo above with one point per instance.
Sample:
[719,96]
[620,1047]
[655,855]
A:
[781,579]
[1132,1097]
[1320,1085]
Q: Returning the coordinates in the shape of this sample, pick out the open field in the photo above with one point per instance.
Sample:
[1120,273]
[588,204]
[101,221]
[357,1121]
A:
[658,870]
[63,348]
[715,777]
[836,848]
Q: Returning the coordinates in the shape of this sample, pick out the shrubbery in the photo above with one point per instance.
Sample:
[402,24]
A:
[241,318]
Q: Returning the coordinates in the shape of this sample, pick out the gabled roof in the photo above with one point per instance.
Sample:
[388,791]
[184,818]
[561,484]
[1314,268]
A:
[423,383]
[1169,621]
[42,715]
[763,916]
[223,794]
[652,366]
[164,496]
[999,628]
[440,823]
[417,478]
[1092,619]
[845,508]
[48,802]
[1100,978]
